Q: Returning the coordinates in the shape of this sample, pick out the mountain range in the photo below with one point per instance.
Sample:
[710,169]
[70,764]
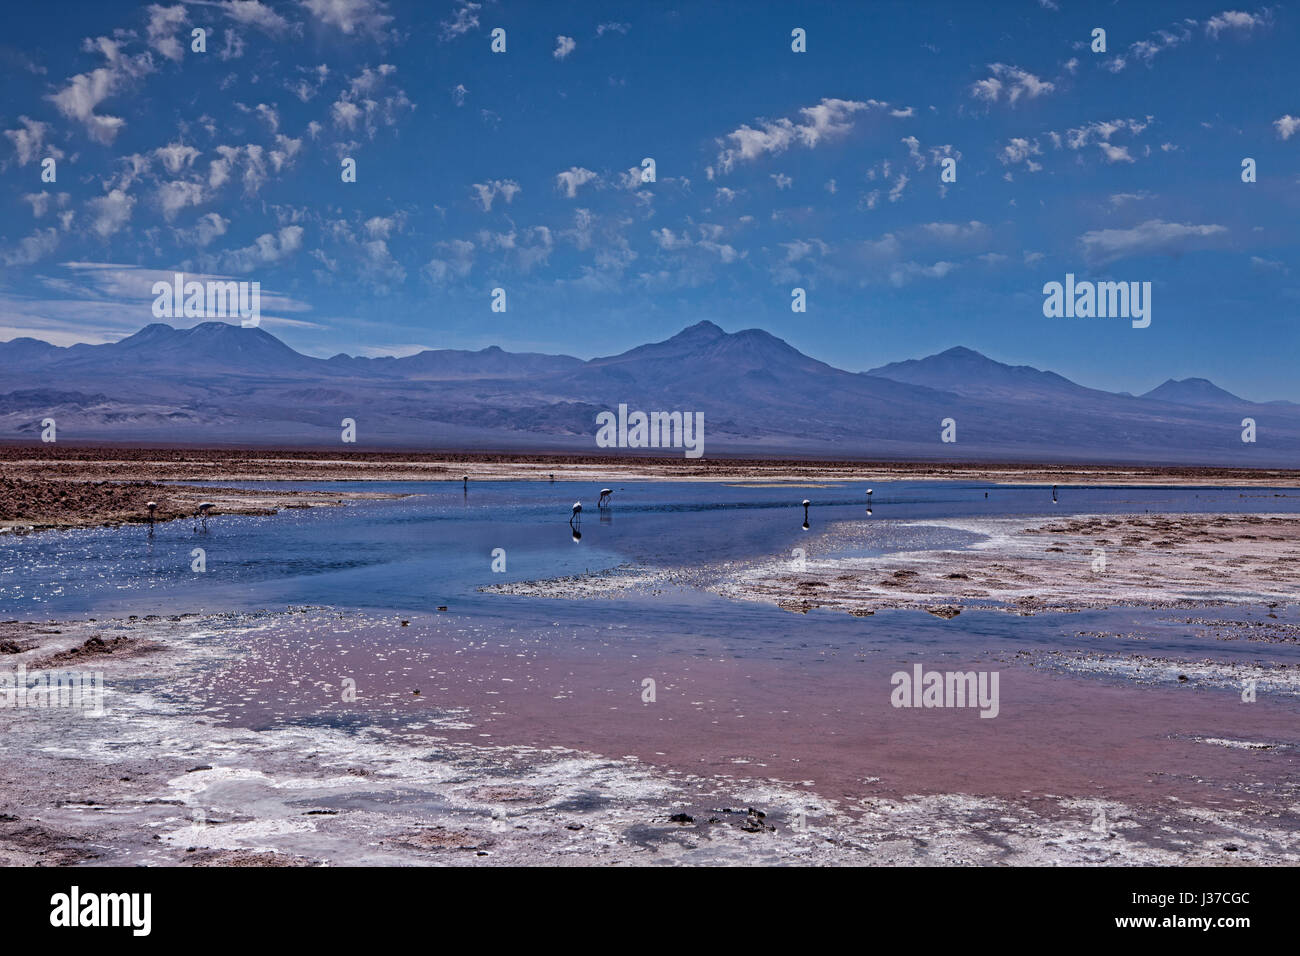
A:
[219,384]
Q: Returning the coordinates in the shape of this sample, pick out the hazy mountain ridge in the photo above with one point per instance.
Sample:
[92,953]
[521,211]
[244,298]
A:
[221,383]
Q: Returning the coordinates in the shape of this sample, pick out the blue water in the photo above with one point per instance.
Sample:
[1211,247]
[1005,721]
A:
[436,547]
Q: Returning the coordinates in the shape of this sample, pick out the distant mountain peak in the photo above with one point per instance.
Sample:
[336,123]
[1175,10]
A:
[703,329]
[967,372]
[1192,391]
[961,351]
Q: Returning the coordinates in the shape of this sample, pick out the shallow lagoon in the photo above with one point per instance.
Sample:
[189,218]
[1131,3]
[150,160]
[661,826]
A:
[436,546]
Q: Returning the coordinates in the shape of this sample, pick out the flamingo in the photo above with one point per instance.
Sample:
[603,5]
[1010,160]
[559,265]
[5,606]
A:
[603,501]
[577,513]
[202,513]
[806,503]
[152,506]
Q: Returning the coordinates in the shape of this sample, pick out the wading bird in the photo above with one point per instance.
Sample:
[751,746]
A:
[577,513]
[603,500]
[202,513]
[806,503]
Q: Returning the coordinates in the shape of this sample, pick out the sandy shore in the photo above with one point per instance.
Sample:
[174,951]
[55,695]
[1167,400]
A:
[226,741]
[1027,566]
[1019,565]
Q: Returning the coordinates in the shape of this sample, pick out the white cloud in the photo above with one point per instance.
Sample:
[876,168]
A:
[896,193]
[1115,154]
[1286,126]
[361,105]
[1018,150]
[564,46]
[352,16]
[669,241]
[40,203]
[829,119]
[163,24]
[507,189]
[254,13]
[1234,20]
[85,91]
[1260,264]
[1011,81]
[209,226]
[956,231]
[1153,237]
[29,141]
[569,180]
[461,22]
[176,156]
[33,248]
[267,249]
[177,195]
[904,272]
[306,88]
[455,262]
[110,212]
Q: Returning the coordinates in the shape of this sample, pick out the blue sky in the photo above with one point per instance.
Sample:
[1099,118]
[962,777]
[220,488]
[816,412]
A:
[775,169]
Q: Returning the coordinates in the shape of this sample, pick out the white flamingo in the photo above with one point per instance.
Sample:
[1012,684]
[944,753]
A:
[603,501]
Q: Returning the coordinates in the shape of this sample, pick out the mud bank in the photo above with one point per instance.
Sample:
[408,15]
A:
[45,503]
[71,462]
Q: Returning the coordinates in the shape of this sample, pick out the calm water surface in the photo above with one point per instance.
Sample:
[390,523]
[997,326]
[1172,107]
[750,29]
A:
[436,548]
